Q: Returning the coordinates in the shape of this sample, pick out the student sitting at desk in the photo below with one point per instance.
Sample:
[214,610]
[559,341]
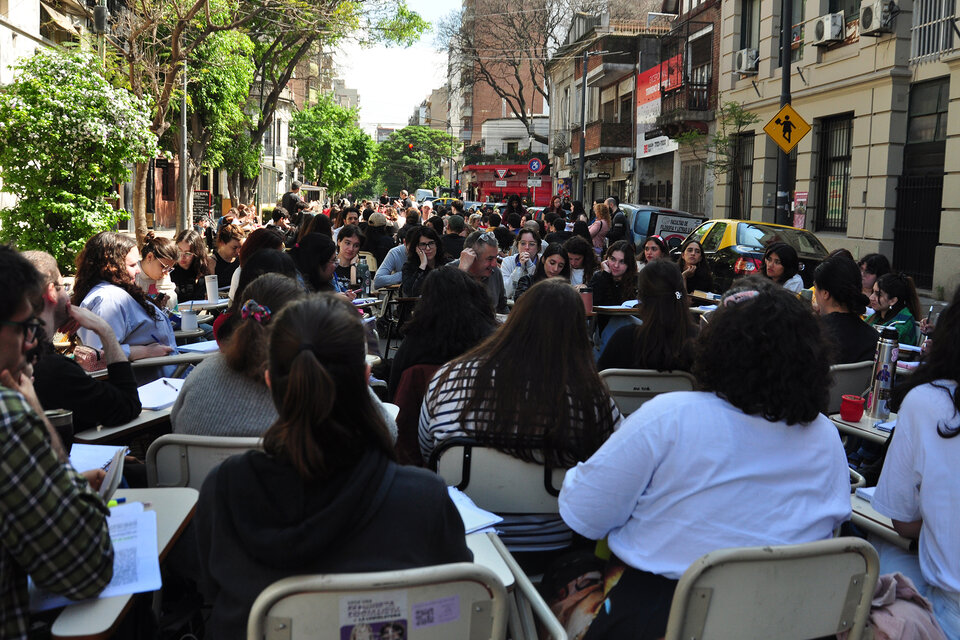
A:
[59,381]
[324,495]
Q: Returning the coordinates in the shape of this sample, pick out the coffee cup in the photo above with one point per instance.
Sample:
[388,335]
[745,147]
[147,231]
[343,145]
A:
[851,408]
[213,287]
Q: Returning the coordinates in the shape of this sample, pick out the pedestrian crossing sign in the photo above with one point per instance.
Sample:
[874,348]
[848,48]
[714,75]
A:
[787,128]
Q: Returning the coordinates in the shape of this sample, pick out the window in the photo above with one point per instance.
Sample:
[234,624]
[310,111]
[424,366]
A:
[701,71]
[850,8]
[833,174]
[750,24]
[626,109]
[741,180]
[796,37]
[928,111]
[931,33]
[712,241]
[692,186]
[512,148]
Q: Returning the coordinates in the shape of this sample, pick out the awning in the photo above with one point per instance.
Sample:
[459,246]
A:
[61,20]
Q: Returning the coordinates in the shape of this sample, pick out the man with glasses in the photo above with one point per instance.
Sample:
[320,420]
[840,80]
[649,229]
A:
[479,259]
[60,382]
[53,525]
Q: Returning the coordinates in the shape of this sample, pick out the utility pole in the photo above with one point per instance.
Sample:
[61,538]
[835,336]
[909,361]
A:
[184,201]
[783,160]
[581,185]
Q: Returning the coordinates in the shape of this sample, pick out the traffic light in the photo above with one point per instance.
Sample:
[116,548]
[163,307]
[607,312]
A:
[457,187]
[410,146]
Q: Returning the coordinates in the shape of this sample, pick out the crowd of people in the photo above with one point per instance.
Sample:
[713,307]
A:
[746,459]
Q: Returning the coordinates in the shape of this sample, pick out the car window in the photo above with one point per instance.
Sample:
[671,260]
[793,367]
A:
[701,231]
[641,223]
[711,242]
[759,236]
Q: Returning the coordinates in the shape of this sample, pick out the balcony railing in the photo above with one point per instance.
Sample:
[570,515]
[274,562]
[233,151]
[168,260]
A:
[603,135]
[689,97]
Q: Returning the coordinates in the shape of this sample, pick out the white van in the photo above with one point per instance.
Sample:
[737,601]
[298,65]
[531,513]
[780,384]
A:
[424,194]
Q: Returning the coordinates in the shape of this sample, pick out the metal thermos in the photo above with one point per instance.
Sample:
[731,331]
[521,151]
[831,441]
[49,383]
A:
[363,277]
[884,371]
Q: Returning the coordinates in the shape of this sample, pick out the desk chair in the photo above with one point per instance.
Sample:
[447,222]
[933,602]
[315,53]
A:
[787,592]
[460,600]
[630,388]
[180,460]
[848,379]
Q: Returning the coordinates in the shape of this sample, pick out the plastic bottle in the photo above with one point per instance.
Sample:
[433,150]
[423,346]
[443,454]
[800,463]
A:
[363,277]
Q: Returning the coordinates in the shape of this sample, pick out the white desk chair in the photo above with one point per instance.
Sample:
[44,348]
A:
[180,460]
[785,592]
[848,379]
[496,481]
[630,388]
[461,600]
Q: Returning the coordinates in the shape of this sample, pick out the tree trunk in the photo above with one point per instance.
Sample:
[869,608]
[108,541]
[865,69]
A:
[141,173]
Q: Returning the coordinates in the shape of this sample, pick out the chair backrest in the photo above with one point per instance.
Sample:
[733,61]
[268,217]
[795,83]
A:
[496,481]
[461,600]
[180,460]
[371,260]
[848,379]
[787,592]
[630,388]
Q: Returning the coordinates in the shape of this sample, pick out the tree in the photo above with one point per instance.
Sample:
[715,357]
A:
[721,151]
[336,152]
[66,139]
[412,155]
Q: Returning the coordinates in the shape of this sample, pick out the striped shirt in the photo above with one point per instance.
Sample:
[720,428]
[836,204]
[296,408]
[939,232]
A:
[53,527]
[439,420]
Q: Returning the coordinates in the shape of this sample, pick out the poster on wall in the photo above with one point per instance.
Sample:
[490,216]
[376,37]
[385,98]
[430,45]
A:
[799,209]
[666,75]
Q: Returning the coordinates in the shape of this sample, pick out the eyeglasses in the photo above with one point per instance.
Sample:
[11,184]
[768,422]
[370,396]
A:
[28,327]
[187,254]
[165,268]
[66,286]
[426,245]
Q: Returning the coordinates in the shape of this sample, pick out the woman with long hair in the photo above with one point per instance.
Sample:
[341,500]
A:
[577,213]
[193,265]
[258,264]
[653,248]
[600,227]
[158,257]
[523,261]
[316,259]
[895,304]
[664,338]
[693,267]
[552,264]
[203,406]
[226,255]
[348,241]
[917,487]
[748,460]
[782,265]
[305,226]
[872,266]
[324,495]
[582,260]
[840,303]
[427,255]
[105,284]
[259,240]
[616,281]
[531,390]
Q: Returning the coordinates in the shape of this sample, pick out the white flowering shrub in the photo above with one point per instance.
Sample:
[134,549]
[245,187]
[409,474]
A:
[67,138]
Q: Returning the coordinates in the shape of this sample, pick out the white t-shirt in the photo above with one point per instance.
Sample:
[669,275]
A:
[576,277]
[919,480]
[689,473]
[794,284]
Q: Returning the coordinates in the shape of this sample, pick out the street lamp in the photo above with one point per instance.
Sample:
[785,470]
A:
[583,120]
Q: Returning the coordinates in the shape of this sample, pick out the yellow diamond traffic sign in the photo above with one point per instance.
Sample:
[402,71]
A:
[787,128]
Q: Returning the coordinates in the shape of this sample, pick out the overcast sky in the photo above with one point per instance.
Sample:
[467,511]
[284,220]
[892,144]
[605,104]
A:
[393,81]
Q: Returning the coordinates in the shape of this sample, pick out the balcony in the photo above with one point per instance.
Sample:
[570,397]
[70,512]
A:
[613,139]
[466,134]
[690,106]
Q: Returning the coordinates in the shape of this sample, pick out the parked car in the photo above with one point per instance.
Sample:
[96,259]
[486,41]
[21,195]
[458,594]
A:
[673,226]
[734,248]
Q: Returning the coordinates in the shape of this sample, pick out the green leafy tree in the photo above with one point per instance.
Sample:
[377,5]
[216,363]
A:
[67,137]
[336,152]
[410,157]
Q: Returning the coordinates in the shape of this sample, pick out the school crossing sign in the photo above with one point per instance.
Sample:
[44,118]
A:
[787,128]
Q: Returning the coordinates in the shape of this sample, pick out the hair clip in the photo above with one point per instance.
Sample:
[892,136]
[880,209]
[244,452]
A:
[740,296]
[258,312]
[679,295]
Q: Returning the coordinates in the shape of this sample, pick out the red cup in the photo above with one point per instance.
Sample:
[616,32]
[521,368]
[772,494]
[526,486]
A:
[851,408]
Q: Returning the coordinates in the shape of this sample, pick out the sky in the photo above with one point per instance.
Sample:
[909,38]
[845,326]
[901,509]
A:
[393,81]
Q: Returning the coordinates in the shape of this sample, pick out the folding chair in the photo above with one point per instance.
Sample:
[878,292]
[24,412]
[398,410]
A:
[788,592]
[848,379]
[630,388]
[461,600]
[180,460]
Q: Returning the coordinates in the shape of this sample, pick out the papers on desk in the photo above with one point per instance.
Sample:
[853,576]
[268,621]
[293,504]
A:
[627,304]
[886,426]
[198,303]
[204,346]
[866,493]
[474,518]
[159,394]
[359,301]
[84,457]
[136,564]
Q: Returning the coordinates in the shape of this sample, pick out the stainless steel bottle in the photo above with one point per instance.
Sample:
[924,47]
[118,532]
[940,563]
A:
[884,372]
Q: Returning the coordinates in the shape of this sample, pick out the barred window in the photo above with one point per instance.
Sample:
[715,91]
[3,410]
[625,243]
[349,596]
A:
[833,175]
[931,33]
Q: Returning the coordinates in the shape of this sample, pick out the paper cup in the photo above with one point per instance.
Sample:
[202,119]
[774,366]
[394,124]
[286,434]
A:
[213,288]
[188,319]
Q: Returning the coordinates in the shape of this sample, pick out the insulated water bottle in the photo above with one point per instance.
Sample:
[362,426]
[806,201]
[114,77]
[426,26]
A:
[884,370]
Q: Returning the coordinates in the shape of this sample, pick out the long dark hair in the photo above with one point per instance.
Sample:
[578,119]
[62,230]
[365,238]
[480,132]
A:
[103,259]
[657,240]
[318,379]
[260,263]
[788,260]
[413,239]
[263,238]
[540,354]
[582,247]
[454,310]
[200,266]
[746,329]
[553,249]
[310,254]
[628,282]
[160,247]
[901,287]
[662,340]
[942,362]
[840,277]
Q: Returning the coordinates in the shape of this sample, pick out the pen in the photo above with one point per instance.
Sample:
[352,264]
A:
[169,384]
[155,338]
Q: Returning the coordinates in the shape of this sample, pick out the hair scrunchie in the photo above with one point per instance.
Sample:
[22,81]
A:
[251,309]
[740,296]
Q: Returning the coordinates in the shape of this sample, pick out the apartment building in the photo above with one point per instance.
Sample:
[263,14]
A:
[878,82]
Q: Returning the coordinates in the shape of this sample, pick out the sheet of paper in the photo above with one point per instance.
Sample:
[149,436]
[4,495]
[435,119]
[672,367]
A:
[160,394]
[866,493]
[84,457]
[136,565]
[474,518]
[206,346]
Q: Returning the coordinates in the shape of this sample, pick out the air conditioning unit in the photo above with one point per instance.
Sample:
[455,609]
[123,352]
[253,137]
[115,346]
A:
[828,29]
[568,158]
[876,17]
[746,61]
